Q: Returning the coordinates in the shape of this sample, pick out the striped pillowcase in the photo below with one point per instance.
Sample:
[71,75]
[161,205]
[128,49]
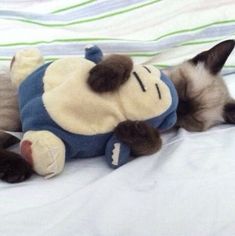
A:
[161,32]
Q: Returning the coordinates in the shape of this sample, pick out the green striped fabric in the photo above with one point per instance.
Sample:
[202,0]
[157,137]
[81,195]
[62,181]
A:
[163,32]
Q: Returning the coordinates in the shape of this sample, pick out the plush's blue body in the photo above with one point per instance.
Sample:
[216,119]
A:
[34,116]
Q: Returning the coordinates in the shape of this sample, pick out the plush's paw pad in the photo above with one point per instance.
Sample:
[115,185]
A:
[26,151]
[44,151]
[139,136]
[13,168]
[110,74]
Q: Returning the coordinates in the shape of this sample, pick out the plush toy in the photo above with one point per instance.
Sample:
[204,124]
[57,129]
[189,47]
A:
[74,107]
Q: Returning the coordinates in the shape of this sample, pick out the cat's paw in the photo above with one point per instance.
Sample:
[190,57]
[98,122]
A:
[13,168]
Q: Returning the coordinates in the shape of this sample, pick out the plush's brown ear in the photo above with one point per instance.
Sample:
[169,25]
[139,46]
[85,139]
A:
[110,74]
[229,112]
[215,57]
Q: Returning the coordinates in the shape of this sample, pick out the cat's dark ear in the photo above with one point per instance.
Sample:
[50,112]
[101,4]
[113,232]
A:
[229,112]
[215,58]
[110,74]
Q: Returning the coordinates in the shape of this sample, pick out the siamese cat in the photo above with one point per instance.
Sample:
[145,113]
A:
[204,101]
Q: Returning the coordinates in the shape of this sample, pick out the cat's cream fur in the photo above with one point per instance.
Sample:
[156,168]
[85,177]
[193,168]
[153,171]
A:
[9,113]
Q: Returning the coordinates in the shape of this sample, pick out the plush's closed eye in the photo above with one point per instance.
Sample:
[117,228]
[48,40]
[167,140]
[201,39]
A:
[146,68]
[139,81]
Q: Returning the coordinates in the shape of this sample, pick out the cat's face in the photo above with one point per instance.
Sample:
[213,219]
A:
[204,100]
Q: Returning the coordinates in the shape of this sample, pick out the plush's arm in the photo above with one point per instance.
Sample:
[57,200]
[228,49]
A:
[135,138]
[142,138]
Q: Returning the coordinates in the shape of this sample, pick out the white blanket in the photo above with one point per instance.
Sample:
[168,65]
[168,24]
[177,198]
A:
[188,188]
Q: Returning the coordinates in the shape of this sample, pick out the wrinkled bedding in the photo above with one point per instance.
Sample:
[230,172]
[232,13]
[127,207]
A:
[188,188]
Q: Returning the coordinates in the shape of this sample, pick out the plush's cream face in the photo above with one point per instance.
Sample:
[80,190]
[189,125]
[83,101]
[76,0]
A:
[76,108]
[144,95]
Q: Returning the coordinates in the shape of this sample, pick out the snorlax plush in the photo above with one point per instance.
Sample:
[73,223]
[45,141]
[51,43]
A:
[85,107]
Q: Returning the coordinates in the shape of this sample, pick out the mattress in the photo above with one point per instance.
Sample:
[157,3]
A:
[188,187]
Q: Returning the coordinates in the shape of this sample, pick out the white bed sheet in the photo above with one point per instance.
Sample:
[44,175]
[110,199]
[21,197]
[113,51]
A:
[188,188]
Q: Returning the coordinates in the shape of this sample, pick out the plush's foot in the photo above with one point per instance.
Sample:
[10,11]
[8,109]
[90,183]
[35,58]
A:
[139,136]
[24,63]
[13,168]
[44,151]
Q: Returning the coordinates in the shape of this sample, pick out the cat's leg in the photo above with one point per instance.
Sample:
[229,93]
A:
[24,63]
[44,151]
